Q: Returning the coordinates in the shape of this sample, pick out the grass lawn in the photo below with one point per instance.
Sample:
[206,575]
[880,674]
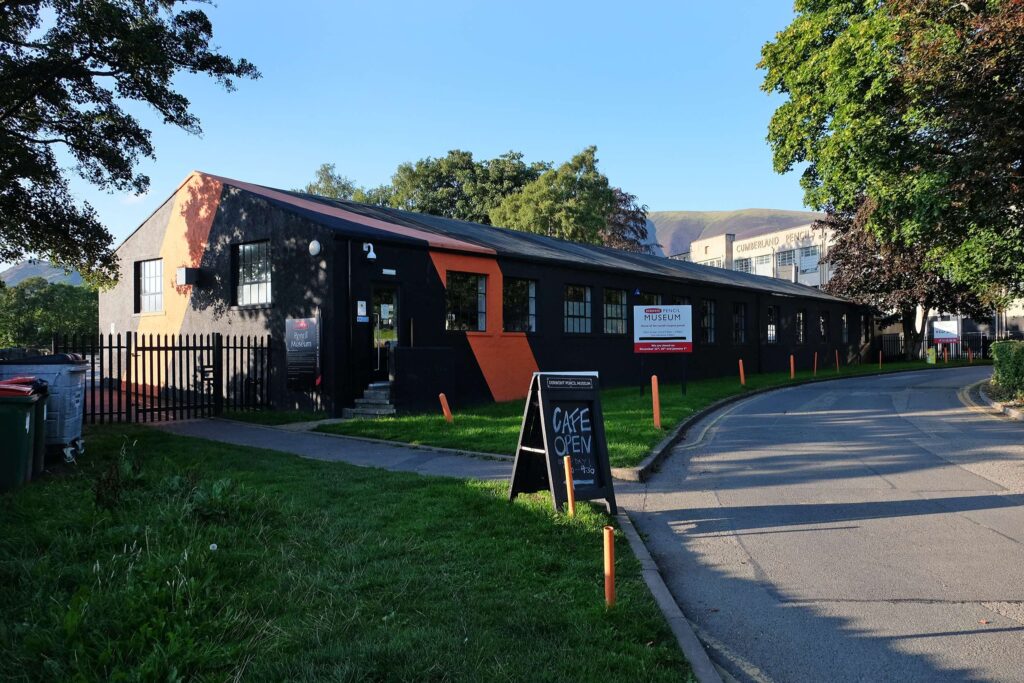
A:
[321,571]
[494,428]
[274,417]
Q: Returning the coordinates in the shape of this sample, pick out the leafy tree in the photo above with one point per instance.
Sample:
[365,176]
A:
[626,225]
[329,183]
[382,195]
[456,186]
[32,310]
[917,105]
[67,66]
[574,201]
[571,202]
[892,278]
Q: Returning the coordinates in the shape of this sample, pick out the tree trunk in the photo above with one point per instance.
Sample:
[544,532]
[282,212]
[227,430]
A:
[920,344]
[909,340]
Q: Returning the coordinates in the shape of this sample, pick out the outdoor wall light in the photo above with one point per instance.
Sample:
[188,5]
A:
[314,248]
[368,248]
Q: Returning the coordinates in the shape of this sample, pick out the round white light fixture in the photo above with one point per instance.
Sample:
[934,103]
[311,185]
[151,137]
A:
[314,248]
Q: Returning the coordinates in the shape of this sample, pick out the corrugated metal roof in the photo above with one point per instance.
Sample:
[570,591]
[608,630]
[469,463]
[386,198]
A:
[476,238]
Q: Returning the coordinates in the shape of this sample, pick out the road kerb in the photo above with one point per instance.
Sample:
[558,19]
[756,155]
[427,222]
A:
[703,669]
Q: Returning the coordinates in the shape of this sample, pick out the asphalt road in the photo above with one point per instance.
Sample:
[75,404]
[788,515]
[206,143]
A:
[861,530]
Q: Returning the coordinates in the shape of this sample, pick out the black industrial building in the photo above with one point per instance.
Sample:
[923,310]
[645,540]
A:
[440,305]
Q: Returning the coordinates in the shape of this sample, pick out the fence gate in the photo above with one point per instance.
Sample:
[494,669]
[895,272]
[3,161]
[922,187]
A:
[153,377]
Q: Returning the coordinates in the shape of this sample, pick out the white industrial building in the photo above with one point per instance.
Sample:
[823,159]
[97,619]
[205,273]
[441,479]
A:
[796,254]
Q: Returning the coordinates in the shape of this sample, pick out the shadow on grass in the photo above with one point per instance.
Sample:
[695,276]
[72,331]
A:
[320,570]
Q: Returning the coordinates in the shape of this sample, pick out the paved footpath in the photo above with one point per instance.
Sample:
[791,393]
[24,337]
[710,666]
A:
[318,446]
[869,529]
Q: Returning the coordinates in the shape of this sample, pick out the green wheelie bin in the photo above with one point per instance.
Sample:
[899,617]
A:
[18,428]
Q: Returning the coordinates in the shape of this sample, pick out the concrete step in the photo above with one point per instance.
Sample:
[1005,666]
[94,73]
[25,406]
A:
[372,401]
[377,394]
[380,385]
[377,411]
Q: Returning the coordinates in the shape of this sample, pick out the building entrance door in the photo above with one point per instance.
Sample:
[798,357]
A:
[385,329]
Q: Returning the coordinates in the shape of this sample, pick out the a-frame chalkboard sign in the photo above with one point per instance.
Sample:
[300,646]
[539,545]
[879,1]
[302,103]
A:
[563,417]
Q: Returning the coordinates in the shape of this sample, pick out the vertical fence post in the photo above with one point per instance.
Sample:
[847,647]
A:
[218,374]
[655,402]
[609,566]
[127,391]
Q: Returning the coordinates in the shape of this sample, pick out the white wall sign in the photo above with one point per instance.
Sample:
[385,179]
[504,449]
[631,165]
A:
[662,329]
[946,331]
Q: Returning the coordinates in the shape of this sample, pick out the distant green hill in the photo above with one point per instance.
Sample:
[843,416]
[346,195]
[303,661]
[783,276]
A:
[26,269]
[675,230]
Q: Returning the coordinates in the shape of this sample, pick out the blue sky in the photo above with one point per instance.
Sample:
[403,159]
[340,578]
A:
[668,91]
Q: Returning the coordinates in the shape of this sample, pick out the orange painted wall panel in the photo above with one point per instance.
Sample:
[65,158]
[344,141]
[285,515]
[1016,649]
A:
[505,358]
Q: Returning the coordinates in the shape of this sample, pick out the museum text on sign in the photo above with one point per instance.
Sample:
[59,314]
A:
[662,329]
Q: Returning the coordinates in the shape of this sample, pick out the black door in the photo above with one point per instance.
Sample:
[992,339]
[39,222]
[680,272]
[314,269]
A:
[384,318]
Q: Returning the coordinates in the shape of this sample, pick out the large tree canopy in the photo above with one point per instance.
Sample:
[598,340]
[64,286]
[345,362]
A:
[457,186]
[574,201]
[329,183]
[571,202]
[891,277]
[67,68]
[33,310]
[918,106]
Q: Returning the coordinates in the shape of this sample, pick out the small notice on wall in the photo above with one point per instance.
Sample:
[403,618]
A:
[563,418]
[662,329]
[302,348]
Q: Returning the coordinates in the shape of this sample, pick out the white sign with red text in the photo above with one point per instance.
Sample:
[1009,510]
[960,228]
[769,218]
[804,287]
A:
[662,329]
[946,331]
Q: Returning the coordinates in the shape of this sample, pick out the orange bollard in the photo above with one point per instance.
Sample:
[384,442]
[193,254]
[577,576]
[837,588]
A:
[837,361]
[879,360]
[609,566]
[792,367]
[743,375]
[656,401]
[444,407]
[570,488]
[815,364]
[945,354]
[970,355]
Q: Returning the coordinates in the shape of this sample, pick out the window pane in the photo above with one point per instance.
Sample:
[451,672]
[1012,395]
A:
[615,311]
[739,323]
[466,302]
[801,327]
[519,305]
[823,325]
[253,275]
[577,309]
[773,322]
[649,299]
[150,286]
[707,321]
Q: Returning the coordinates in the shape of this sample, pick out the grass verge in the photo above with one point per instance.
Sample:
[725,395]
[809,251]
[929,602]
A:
[321,571]
[494,428]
